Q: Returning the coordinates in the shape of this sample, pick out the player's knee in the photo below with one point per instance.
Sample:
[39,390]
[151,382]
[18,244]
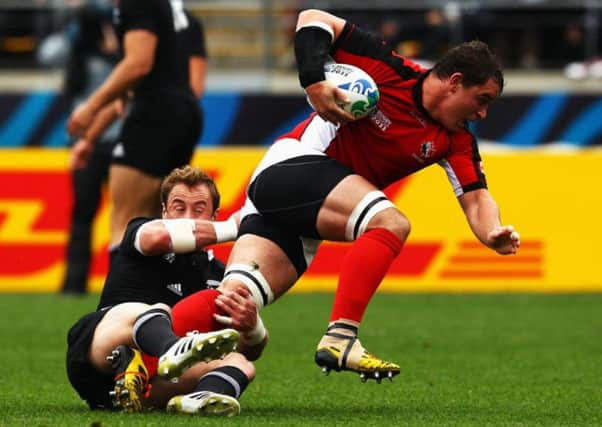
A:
[239,361]
[374,207]
[392,220]
[161,306]
[249,276]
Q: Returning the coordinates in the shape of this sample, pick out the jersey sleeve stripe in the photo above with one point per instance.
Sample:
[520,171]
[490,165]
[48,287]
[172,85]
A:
[476,162]
[362,43]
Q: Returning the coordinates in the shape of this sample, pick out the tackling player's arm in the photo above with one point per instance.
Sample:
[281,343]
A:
[483,216]
[183,235]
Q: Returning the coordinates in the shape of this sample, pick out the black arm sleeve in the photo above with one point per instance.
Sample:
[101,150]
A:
[312,45]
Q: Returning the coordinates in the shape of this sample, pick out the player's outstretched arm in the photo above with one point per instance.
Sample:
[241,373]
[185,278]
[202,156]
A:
[483,216]
[183,235]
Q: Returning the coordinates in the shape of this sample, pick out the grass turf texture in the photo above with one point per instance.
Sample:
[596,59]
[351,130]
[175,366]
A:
[478,360]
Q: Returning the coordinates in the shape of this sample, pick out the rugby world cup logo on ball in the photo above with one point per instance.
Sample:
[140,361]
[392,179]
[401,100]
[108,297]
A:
[359,86]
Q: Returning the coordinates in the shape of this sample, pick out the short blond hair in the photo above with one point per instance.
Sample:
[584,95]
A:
[190,176]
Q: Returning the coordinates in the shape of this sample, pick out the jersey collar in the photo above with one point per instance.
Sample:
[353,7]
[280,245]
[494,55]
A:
[417,95]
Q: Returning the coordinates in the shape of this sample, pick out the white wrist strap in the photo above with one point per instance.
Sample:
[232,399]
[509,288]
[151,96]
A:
[181,232]
[225,231]
[257,335]
[137,243]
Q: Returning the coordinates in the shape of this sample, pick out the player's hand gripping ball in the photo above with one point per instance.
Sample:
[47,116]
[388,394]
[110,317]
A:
[359,87]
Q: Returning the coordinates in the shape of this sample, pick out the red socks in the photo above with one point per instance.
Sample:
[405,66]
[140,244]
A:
[362,270]
[195,313]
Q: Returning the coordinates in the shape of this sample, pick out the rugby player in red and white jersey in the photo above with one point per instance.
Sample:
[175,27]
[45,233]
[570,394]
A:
[323,180]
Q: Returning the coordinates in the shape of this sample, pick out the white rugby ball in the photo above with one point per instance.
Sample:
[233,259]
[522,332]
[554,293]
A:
[359,87]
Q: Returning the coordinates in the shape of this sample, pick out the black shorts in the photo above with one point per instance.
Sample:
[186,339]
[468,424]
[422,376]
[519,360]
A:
[288,196]
[92,385]
[159,133]
[290,193]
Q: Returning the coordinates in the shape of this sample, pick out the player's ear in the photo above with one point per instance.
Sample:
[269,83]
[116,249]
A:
[214,216]
[456,80]
[163,210]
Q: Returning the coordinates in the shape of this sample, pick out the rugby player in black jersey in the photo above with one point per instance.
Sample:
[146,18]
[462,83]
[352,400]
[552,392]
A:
[150,302]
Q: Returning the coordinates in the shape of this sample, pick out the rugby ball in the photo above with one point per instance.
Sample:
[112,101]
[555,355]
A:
[359,86]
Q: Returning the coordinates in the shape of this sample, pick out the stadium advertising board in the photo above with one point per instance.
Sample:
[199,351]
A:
[552,198]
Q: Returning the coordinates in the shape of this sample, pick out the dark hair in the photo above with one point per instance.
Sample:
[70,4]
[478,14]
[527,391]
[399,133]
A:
[474,60]
[190,176]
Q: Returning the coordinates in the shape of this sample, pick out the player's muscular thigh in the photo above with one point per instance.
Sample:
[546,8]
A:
[334,213]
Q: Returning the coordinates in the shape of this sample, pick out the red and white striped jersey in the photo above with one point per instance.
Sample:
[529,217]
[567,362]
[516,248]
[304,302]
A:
[399,137]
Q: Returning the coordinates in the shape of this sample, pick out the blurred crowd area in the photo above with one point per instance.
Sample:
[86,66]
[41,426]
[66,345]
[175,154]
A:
[257,34]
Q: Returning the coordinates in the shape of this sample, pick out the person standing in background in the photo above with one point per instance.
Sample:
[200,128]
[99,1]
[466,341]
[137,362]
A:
[93,54]
[159,72]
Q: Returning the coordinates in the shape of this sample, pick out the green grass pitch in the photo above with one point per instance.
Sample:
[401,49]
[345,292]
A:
[467,360]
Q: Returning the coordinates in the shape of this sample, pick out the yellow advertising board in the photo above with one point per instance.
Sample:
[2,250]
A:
[553,199]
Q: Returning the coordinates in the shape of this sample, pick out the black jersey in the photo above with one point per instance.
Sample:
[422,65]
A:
[166,278]
[165,19]
[194,37]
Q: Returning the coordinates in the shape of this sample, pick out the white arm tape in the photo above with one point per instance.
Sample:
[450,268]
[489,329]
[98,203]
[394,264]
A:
[225,231]
[257,335]
[137,239]
[319,24]
[181,232]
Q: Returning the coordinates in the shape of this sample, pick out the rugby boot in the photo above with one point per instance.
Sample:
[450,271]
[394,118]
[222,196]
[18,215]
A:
[340,350]
[196,347]
[204,403]
[131,379]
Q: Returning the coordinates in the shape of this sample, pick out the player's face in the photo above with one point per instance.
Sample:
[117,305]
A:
[467,104]
[189,202]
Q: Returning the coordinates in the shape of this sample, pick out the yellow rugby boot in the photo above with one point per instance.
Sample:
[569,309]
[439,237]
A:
[340,350]
[131,379]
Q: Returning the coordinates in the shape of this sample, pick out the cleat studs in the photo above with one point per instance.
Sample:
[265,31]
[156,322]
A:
[325,370]
[112,393]
[376,375]
[363,377]
[378,380]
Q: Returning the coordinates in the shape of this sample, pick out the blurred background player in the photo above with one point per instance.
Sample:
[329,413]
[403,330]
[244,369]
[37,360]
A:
[93,53]
[163,122]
